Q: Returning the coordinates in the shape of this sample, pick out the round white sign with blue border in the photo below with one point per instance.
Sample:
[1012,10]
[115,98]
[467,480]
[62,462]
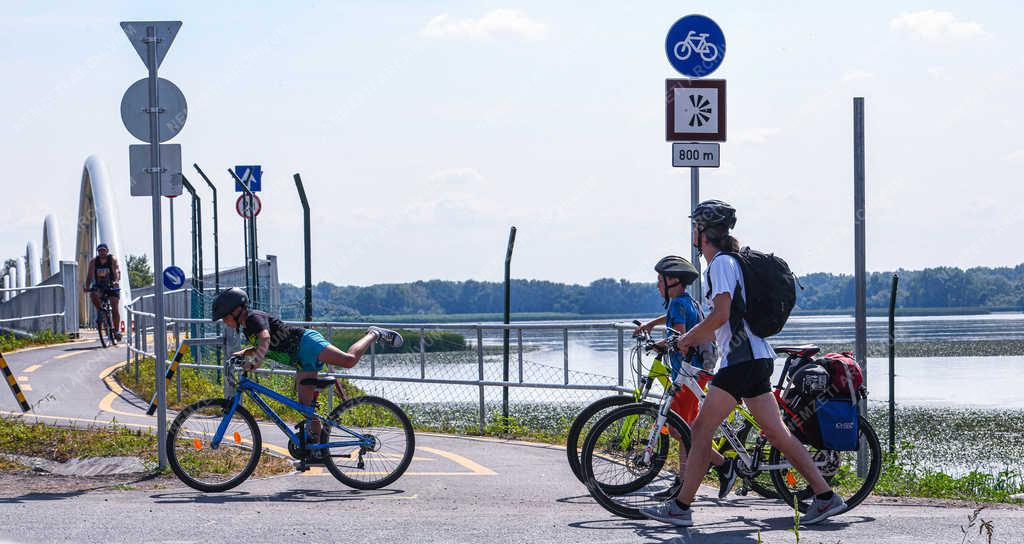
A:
[695,46]
[174,278]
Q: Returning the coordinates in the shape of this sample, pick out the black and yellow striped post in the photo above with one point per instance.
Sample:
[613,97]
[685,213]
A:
[170,374]
[13,384]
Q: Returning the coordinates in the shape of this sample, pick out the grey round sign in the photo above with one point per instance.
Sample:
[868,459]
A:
[136,102]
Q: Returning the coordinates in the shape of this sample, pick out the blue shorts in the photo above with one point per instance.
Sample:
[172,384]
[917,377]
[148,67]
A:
[310,346]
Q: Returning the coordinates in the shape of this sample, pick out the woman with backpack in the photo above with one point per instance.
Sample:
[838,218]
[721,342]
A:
[746,363]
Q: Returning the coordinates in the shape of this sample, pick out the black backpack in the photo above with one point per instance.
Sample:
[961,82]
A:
[771,291]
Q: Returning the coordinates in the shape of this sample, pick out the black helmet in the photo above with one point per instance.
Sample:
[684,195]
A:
[227,301]
[712,213]
[674,266]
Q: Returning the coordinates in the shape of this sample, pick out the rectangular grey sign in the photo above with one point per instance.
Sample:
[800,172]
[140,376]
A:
[142,181]
[704,155]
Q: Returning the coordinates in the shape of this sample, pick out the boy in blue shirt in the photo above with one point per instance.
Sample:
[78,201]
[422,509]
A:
[675,274]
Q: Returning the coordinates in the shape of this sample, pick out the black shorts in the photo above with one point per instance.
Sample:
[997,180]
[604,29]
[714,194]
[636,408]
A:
[746,380]
[111,292]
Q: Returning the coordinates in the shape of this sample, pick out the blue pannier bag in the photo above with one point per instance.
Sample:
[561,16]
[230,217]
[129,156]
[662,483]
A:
[837,421]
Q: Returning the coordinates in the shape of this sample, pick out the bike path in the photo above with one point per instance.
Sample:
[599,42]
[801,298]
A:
[458,489]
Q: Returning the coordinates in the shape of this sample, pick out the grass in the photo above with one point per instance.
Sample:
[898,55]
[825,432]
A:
[9,342]
[61,444]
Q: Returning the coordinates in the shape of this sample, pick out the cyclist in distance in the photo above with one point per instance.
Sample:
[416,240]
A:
[745,370]
[305,349]
[104,276]
[675,274]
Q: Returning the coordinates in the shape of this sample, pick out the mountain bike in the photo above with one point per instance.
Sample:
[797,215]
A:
[215,444]
[105,320]
[740,419]
[627,448]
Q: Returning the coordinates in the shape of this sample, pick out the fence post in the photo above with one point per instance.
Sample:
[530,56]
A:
[423,354]
[69,279]
[622,359]
[519,338]
[892,363]
[480,374]
[565,356]
[128,332]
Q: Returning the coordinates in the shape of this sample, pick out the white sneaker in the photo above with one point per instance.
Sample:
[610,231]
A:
[820,510]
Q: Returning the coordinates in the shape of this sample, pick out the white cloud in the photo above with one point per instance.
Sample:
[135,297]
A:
[755,135]
[931,25]
[495,23]
[1016,156]
[857,75]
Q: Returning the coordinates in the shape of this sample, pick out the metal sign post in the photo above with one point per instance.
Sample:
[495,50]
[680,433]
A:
[859,266]
[151,40]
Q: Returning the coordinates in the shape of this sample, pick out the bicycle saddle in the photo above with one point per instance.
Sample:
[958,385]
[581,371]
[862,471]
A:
[806,350]
[320,383]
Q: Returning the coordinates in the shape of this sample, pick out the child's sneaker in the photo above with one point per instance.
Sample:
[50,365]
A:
[387,337]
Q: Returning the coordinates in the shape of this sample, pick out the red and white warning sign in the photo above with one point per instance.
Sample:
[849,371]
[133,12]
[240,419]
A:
[242,206]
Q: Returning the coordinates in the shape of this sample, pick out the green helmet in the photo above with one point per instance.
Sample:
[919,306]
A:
[674,266]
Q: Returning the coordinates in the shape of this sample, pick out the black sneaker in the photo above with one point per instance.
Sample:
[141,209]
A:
[387,337]
[726,477]
[669,492]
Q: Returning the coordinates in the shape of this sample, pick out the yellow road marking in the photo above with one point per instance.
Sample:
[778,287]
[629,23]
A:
[106,404]
[71,354]
[26,387]
[469,464]
[32,368]
[22,378]
[475,469]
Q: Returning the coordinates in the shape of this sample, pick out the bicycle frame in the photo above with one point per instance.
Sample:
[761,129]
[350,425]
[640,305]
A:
[688,378]
[256,392]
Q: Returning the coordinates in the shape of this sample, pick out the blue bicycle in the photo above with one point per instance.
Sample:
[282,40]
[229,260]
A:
[215,444]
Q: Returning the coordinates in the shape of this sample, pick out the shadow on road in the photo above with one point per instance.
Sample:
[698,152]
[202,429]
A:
[723,531]
[296,495]
[578,499]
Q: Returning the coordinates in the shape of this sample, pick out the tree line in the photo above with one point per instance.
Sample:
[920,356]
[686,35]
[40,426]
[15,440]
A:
[931,288]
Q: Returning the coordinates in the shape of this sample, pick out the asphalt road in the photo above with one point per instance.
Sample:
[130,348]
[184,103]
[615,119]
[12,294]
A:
[457,490]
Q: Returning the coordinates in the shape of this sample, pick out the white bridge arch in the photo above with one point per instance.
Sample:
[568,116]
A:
[97,222]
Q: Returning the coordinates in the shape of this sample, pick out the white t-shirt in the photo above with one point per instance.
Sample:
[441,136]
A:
[724,275]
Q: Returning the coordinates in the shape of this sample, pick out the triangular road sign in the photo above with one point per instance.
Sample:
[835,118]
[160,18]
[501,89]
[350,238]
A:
[165,32]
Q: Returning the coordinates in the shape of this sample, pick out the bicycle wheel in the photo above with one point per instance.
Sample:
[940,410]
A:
[111,331]
[840,471]
[203,467]
[102,325]
[612,458]
[582,425]
[376,466]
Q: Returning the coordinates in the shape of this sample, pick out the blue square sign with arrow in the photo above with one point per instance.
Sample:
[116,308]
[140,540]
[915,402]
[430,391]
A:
[252,175]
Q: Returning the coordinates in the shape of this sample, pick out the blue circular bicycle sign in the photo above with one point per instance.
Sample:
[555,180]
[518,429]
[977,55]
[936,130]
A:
[695,46]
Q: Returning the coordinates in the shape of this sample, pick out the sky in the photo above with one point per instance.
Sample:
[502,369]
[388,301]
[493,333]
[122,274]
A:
[424,130]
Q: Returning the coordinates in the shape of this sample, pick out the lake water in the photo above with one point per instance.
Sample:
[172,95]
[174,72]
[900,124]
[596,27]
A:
[979,382]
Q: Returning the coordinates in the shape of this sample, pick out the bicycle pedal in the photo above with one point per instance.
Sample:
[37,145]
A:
[300,466]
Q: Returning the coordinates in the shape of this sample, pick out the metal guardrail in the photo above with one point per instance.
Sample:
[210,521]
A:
[17,291]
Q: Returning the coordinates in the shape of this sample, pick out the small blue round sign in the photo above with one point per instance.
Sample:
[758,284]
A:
[174,278]
[695,46]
